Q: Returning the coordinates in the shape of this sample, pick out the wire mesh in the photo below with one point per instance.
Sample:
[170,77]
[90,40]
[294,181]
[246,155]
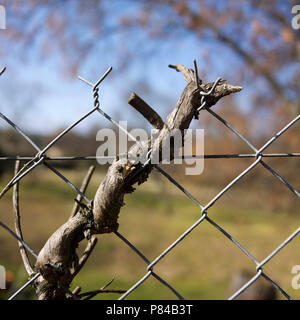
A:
[41,159]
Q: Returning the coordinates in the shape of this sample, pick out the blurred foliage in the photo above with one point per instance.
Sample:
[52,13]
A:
[257,33]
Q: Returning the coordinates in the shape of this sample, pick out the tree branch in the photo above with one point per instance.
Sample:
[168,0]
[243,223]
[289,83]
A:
[2,70]
[83,188]
[58,256]
[17,221]
[92,294]
[188,74]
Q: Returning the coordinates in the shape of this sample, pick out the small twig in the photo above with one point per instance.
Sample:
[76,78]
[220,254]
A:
[188,74]
[89,293]
[172,66]
[76,291]
[142,107]
[70,293]
[87,252]
[92,294]
[83,188]
[198,85]
[197,80]
[17,220]
[109,283]
[2,70]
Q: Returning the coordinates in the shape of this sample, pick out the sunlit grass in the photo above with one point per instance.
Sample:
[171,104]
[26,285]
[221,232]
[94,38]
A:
[200,267]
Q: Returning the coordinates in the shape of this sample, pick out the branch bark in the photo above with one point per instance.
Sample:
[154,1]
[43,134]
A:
[83,188]
[141,106]
[17,221]
[58,256]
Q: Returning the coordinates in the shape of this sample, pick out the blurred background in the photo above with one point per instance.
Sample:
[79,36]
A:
[250,43]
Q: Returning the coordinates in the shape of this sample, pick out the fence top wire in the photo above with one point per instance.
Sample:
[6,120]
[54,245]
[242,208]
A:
[204,156]
[41,159]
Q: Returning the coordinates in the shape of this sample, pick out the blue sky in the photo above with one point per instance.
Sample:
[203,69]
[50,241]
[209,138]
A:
[62,99]
[59,100]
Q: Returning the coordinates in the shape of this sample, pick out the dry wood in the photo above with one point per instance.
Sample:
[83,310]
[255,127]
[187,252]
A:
[83,188]
[141,106]
[17,221]
[58,257]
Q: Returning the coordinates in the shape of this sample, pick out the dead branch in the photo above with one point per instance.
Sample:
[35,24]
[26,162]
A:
[83,188]
[92,294]
[2,70]
[76,291]
[58,257]
[17,221]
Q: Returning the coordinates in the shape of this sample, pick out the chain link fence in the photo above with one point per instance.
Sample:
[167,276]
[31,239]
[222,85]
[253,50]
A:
[257,154]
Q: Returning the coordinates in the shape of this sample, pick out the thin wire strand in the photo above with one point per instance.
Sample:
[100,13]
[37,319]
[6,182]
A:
[246,286]
[276,286]
[205,156]
[24,286]
[18,238]
[20,131]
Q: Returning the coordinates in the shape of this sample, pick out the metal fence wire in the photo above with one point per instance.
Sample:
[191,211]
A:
[257,154]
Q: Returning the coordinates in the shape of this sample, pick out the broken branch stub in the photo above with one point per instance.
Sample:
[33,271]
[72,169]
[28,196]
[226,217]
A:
[141,106]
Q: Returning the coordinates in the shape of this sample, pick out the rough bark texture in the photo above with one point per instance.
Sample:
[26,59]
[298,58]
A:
[57,261]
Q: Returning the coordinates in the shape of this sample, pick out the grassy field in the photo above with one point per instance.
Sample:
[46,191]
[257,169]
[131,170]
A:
[200,267]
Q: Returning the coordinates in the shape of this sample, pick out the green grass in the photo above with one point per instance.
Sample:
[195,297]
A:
[200,267]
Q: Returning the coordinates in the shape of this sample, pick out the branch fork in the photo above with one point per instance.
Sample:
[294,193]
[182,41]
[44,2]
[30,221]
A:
[57,262]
